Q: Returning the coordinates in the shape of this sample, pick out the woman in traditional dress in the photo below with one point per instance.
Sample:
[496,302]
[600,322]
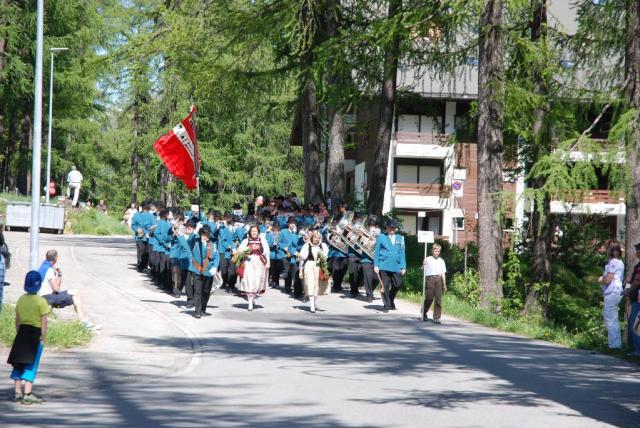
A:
[311,254]
[256,265]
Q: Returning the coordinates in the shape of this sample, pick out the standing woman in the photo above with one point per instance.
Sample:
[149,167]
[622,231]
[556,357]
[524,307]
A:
[31,325]
[611,285]
[311,254]
[256,265]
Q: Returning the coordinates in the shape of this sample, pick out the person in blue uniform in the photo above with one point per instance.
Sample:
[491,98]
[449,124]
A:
[179,246]
[366,263]
[276,253]
[154,258]
[204,264]
[337,262]
[291,245]
[355,271]
[389,261]
[140,224]
[226,245]
[163,235]
[186,241]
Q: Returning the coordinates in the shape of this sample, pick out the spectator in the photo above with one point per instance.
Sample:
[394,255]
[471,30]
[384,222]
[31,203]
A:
[611,285]
[74,180]
[52,289]
[128,214]
[102,207]
[31,327]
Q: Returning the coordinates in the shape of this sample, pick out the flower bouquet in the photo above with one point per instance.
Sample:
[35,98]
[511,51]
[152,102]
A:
[238,260]
[324,267]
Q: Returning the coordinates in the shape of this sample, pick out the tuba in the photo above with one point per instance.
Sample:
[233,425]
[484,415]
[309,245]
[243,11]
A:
[335,234]
[356,235]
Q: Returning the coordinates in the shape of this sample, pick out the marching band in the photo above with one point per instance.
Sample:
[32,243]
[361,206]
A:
[312,251]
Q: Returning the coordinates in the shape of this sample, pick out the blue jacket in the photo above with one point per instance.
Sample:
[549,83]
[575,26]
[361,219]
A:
[292,243]
[163,235]
[388,256]
[240,234]
[153,240]
[225,241]
[183,249]
[276,250]
[144,221]
[200,259]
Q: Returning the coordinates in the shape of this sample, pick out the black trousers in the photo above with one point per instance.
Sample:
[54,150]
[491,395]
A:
[274,272]
[338,267]
[188,287]
[227,271]
[291,277]
[369,278]
[178,275]
[355,273]
[153,263]
[392,282]
[201,292]
[142,250]
[433,294]
[165,271]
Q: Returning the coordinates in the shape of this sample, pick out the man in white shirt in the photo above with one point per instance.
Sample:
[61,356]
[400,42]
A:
[74,181]
[435,275]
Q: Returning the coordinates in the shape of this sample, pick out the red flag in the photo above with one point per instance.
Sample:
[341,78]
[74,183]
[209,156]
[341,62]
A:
[179,152]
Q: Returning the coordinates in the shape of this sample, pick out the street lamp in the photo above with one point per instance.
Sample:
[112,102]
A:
[37,141]
[53,51]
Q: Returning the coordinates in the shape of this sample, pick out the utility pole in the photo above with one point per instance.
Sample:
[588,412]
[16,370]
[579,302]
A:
[37,143]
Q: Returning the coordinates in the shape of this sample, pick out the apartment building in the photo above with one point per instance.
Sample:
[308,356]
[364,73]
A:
[432,181]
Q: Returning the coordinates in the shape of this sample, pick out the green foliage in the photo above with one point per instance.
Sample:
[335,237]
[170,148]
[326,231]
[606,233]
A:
[60,334]
[92,222]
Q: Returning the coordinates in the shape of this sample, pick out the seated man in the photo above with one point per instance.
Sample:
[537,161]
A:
[52,289]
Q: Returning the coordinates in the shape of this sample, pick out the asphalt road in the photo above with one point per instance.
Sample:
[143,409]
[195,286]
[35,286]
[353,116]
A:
[349,365]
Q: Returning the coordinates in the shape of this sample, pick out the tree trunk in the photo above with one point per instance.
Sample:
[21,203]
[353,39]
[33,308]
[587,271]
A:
[540,217]
[135,158]
[24,164]
[310,142]
[632,97]
[335,173]
[490,147]
[378,181]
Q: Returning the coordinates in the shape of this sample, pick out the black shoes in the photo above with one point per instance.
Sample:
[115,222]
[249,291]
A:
[369,299]
[385,309]
[437,322]
[197,316]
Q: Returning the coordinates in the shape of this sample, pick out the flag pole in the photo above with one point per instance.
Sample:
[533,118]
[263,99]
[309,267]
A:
[194,111]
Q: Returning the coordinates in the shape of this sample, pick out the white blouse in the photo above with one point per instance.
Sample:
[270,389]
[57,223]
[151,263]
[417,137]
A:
[315,249]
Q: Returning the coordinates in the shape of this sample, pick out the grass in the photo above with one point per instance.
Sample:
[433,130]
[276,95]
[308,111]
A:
[457,307]
[60,335]
[92,222]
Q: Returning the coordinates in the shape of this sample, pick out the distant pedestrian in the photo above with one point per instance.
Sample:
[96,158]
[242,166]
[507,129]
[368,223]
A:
[633,325]
[31,327]
[74,180]
[128,214]
[435,276]
[102,207]
[611,285]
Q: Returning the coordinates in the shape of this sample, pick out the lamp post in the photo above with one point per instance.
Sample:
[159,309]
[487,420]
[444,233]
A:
[53,51]
[37,142]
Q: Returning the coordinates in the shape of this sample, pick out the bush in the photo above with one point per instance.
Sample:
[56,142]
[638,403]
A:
[465,286]
[92,222]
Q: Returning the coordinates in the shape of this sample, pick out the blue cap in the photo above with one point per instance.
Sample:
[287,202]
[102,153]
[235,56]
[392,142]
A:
[32,282]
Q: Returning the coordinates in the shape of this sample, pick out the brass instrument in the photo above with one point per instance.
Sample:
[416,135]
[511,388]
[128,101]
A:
[348,233]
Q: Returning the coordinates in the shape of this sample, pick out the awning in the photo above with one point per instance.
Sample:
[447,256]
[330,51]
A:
[456,213]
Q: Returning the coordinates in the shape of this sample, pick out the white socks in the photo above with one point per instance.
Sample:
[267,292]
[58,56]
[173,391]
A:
[250,302]
[312,301]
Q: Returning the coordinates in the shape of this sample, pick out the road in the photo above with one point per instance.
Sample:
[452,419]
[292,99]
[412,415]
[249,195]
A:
[349,365]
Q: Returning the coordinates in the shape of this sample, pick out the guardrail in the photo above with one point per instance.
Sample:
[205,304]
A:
[405,137]
[592,197]
[410,189]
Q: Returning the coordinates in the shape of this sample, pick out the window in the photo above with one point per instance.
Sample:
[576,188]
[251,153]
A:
[408,223]
[428,174]
[458,223]
[407,174]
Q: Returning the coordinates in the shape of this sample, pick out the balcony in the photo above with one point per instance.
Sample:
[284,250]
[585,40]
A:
[420,196]
[603,202]
[422,145]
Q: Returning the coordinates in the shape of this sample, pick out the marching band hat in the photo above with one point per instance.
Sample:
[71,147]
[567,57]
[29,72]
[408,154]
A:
[637,246]
[211,211]
[291,220]
[236,218]
[372,220]
[393,223]
[205,230]
[237,206]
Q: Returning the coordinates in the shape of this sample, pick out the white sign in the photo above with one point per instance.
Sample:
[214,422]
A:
[425,237]
[457,188]
[422,214]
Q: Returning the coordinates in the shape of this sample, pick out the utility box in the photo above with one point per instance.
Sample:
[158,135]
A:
[19,216]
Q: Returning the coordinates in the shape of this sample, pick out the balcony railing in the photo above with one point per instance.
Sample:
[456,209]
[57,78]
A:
[404,137]
[592,197]
[411,189]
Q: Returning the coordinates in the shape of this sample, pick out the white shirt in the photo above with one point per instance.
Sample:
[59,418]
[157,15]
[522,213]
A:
[46,284]
[392,238]
[434,266]
[74,177]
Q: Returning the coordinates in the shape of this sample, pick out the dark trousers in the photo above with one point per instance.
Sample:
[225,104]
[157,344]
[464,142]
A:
[188,287]
[338,267]
[165,271]
[355,273]
[153,263]
[274,271]
[227,271]
[369,278]
[201,292]
[142,250]
[291,277]
[433,294]
[178,275]
[392,281]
